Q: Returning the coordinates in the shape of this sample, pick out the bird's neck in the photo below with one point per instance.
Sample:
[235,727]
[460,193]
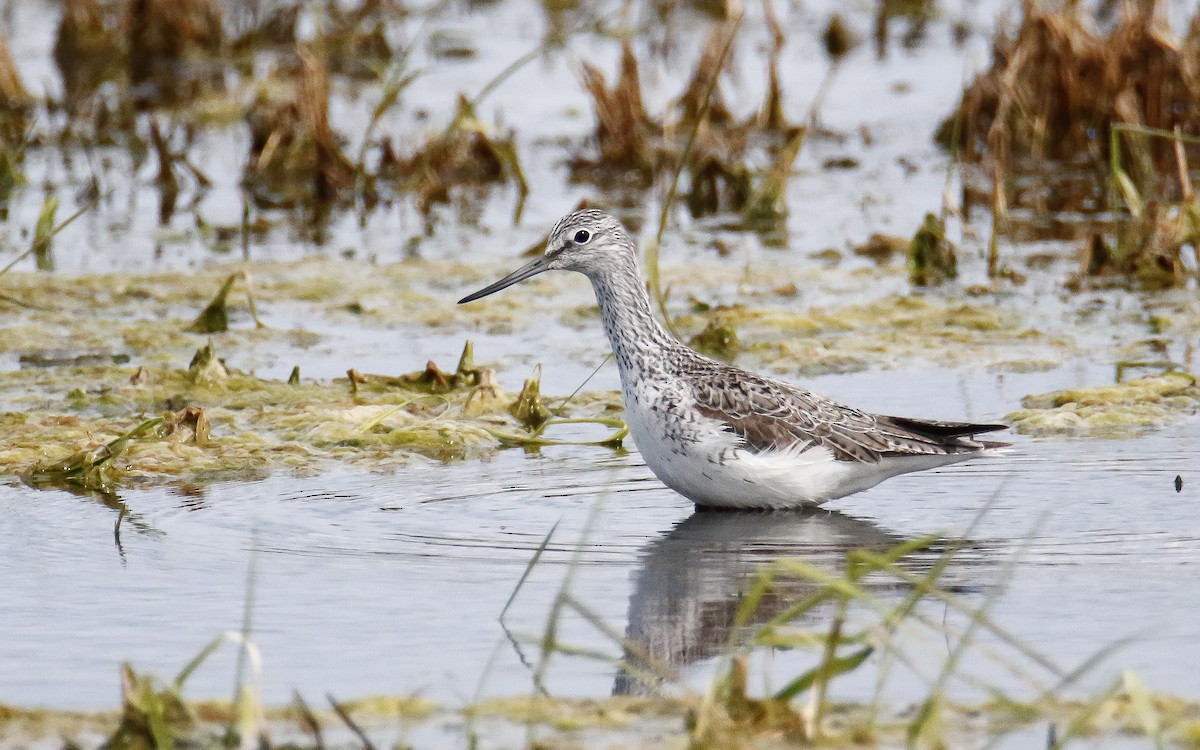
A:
[639,342]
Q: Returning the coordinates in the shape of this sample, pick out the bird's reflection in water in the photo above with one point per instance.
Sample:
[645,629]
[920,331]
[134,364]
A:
[690,586]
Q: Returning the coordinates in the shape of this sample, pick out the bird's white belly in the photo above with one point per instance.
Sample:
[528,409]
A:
[706,464]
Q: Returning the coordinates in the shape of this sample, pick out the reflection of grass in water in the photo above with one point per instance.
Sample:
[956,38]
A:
[865,625]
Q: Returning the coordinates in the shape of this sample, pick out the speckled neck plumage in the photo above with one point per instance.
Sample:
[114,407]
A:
[641,345]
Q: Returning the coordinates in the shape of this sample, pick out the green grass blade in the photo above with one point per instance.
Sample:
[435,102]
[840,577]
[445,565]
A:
[537,555]
[826,671]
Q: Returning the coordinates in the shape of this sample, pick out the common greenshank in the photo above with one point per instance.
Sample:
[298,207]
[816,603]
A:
[722,436]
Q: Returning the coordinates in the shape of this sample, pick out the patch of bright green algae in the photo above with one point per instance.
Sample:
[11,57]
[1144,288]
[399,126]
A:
[1116,410]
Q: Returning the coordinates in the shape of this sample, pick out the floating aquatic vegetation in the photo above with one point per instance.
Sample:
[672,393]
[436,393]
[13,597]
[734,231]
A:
[1128,712]
[815,341]
[1117,410]
[466,152]
[188,425]
[92,469]
[221,422]
[430,380]
[296,157]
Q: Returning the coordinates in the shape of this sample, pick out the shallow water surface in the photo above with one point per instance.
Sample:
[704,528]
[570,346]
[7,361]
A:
[393,583]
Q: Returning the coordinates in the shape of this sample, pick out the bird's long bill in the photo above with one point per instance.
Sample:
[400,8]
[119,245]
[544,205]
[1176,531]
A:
[533,268]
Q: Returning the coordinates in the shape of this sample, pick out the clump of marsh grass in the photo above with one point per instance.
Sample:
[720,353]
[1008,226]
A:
[87,49]
[296,158]
[258,24]
[931,257]
[1057,86]
[354,39]
[174,49]
[1155,236]
[1068,107]
[93,469]
[698,137]
[468,151]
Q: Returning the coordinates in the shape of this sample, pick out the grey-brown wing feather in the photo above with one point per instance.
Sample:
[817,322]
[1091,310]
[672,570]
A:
[772,415]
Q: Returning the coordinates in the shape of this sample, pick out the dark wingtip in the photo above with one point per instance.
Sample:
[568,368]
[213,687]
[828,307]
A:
[938,428]
[982,428]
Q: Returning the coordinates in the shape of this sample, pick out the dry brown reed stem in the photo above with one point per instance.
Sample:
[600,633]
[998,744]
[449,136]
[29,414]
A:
[1181,166]
[13,95]
[702,97]
[12,91]
[770,115]
[332,170]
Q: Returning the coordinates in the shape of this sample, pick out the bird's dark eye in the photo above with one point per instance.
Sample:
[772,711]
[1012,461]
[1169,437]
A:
[582,236]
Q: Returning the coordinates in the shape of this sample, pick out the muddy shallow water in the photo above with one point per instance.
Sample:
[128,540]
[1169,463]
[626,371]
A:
[391,581]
